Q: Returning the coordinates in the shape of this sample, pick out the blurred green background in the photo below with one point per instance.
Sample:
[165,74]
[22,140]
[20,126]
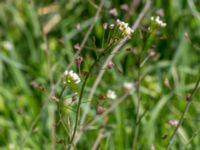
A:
[27,113]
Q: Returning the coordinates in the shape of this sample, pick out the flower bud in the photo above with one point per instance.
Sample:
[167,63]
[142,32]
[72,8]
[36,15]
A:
[152,53]
[100,110]
[113,12]
[173,122]
[124,7]
[105,25]
[77,46]
[78,60]
[110,65]
[166,83]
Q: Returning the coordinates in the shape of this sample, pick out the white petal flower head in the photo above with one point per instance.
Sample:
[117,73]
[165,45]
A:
[128,86]
[71,77]
[111,94]
[112,26]
[173,122]
[8,45]
[158,21]
[124,28]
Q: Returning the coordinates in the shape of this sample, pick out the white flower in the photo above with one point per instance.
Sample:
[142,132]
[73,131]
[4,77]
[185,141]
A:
[128,86]
[72,77]
[11,146]
[8,45]
[173,122]
[111,94]
[113,12]
[124,28]
[112,26]
[158,21]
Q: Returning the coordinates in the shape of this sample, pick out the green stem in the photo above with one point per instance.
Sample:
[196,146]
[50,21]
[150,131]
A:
[80,99]
[138,110]
[59,97]
[189,101]
[106,50]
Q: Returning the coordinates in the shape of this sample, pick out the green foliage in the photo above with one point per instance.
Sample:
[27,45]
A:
[37,41]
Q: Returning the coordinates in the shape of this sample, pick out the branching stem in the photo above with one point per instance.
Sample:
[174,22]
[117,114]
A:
[189,101]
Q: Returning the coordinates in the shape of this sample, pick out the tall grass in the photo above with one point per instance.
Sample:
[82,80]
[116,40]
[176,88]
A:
[39,40]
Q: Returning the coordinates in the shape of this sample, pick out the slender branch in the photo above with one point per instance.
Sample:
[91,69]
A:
[100,135]
[80,99]
[87,34]
[108,111]
[113,53]
[58,104]
[117,48]
[137,107]
[98,139]
[189,101]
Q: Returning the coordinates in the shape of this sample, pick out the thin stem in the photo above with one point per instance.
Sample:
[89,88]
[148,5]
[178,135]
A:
[100,136]
[59,97]
[108,111]
[138,109]
[189,101]
[80,99]
[114,51]
[87,34]
[144,61]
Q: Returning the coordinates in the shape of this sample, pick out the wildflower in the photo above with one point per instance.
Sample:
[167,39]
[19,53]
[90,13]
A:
[158,21]
[78,26]
[71,77]
[113,12]
[77,46]
[78,60]
[152,53]
[124,7]
[173,122]
[166,83]
[124,28]
[100,110]
[110,65]
[7,45]
[111,94]
[128,86]
[105,25]
[112,26]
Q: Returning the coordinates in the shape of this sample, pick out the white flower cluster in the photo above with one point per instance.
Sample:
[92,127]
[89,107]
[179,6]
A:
[158,21]
[71,77]
[124,28]
[111,94]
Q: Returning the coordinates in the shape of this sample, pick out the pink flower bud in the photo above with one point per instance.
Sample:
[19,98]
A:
[78,61]
[113,12]
[166,83]
[77,46]
[110,65]
[152,53]
[100,110]
[173,123]
[124,7]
